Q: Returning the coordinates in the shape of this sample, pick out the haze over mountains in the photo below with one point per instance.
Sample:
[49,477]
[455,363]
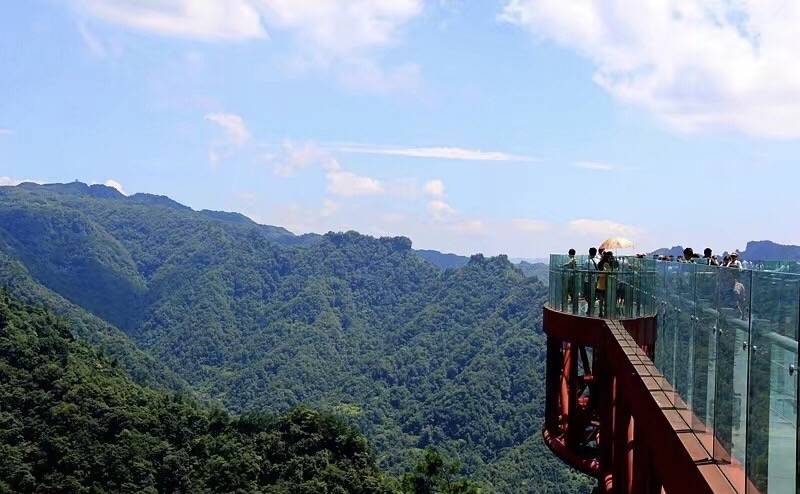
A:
[253,317]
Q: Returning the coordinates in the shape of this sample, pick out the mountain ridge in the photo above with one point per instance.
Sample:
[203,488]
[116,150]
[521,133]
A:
[417,355]
[755,250]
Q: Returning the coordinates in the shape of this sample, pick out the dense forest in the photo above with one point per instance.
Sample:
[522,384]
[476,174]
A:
[72,421]
[249,318]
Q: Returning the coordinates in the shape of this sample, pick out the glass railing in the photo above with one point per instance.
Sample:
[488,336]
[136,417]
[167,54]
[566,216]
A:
[621,289]
[727,343]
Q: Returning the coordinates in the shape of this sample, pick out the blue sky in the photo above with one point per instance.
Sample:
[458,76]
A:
[514,126]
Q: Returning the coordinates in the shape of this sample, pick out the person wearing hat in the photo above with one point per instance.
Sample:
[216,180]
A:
[734,261]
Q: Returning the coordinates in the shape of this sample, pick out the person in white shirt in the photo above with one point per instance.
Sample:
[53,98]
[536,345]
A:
[589,280]
[734,261]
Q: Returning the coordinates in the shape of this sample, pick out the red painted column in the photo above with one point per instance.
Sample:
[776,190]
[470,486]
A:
[567,369]
[553,382]
[645,479]
[575,426]
[630,452]
[605,400]
[622,425]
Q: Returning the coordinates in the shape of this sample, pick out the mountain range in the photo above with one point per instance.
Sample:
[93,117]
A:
[415,349]
[756,250]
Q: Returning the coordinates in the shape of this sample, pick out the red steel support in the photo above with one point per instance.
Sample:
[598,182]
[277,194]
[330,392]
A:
[567,364]
[614,420]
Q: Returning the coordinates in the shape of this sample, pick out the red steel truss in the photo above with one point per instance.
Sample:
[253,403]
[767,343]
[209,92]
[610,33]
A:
[612,415]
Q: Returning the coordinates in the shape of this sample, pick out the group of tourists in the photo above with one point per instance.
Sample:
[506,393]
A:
[595,284]
[728,260]
[591,289]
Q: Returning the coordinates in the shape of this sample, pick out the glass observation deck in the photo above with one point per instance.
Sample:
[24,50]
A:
[727,342]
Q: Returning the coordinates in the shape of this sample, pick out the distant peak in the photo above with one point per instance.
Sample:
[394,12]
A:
[227,217]
[157,200]
[342,238]
[77,188]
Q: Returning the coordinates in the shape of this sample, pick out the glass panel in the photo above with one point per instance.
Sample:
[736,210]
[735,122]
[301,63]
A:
[663,356]
[732,364]
[727,342]
[772,402]
[684,325]
[704,346]
[622,290]
[671,307]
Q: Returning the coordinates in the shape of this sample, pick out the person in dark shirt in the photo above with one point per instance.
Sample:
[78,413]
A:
[589,280]
[708,257]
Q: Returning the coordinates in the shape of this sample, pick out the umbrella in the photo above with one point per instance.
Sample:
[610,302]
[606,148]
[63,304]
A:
[616,243]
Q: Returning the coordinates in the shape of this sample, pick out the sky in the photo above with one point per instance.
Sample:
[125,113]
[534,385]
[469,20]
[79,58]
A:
[521,127]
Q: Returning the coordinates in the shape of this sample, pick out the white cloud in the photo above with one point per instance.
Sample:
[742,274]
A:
[114,184]
[594,165]
[5,132]
[339,28]
[449,153]
[247,197]
[440,210]
[696,64]
[348,184]
[233,125]
[470,227]
[338,34]
[97,47]
[329,208]
[325,28]
[203,19]
[366,74]
[296,156]
[529,225]
[434,188]
[4,181]
[601,228]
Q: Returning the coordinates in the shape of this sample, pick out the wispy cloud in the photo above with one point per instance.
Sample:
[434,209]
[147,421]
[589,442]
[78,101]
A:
[8,181]
[595,165]
[5,132]
[602,228]
[469,227]
[233,125]
[440,210]
[434,188]
[340,36]
[434,152]
[294,156]
[202,19]
[528,225]
[115,184]
[348,184]
[236,136]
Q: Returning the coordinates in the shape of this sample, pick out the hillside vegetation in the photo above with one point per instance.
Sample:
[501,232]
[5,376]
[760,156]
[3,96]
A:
[255,318]
[72,421]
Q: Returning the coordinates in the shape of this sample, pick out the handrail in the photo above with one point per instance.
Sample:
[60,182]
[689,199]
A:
[727,341]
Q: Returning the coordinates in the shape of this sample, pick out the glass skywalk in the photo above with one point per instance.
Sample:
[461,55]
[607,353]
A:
[727,342]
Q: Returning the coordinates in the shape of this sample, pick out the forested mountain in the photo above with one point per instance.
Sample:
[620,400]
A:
[255,318]
[539,270]
[72,421]
[441,259]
